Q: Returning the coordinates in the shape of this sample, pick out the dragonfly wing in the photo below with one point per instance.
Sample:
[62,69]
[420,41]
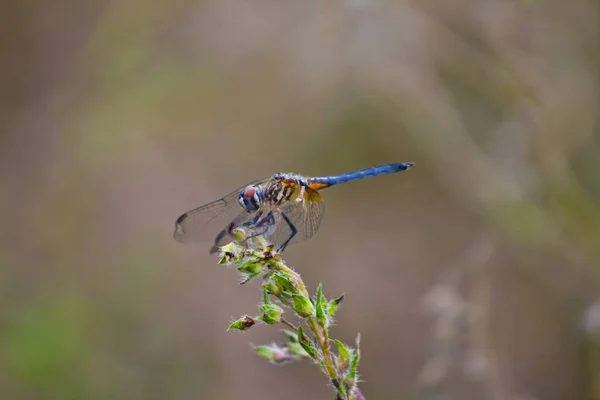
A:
[204,223]
[306,217]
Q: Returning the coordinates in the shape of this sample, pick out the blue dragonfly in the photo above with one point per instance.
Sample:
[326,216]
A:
[284,209]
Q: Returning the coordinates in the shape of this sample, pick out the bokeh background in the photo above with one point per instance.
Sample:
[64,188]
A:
[475,275]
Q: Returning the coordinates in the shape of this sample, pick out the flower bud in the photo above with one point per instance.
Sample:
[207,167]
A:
[280,283]
[272,287]
[242,324]
[272,313]
[250,268]
[238,234]
[303,306]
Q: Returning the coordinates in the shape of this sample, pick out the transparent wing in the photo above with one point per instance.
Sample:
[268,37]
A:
[204,223]
[306,217]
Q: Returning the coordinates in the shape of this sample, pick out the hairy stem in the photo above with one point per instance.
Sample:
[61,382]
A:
[321,334]
[289,324]
[323,341]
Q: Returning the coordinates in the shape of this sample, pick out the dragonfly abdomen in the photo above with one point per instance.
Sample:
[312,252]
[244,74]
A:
[321,182]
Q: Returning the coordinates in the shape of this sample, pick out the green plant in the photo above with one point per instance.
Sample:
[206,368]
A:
[284,291]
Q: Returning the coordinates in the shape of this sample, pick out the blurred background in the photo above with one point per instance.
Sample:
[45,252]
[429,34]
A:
[475,275]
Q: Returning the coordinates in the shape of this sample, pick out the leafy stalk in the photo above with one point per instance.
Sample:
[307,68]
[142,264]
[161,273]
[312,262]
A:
[284,291]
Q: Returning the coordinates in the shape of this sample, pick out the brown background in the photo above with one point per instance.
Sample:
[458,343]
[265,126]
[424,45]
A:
[472,276]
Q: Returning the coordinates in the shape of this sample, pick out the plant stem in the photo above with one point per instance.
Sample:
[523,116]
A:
[320,333]
[323,341]
[288,324]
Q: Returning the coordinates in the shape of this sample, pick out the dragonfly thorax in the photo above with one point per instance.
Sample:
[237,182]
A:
[250,198]
[281,188]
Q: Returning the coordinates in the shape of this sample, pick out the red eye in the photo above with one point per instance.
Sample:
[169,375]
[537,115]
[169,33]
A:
[249,192]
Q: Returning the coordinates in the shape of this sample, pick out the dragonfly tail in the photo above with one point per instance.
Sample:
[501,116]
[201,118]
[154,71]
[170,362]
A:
[322,182]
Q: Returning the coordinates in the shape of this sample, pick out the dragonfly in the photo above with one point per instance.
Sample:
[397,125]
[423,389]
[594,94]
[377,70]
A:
[284,209]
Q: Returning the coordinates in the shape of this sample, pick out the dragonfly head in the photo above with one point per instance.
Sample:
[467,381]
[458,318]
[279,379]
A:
[250,198]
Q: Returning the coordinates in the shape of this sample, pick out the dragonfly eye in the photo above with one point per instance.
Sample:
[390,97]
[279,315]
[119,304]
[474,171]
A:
[250,198]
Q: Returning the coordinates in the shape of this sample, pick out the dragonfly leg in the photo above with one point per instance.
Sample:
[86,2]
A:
[294,231]
[232,225]
[263,226]
[252,221]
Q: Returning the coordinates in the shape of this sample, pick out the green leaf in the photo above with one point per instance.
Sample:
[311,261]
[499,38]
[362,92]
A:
[266,297]
[320,303]
[311,351]
[300,334]
[333,306]
[297,350]
[306,345]
[343,353]
[354,361]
